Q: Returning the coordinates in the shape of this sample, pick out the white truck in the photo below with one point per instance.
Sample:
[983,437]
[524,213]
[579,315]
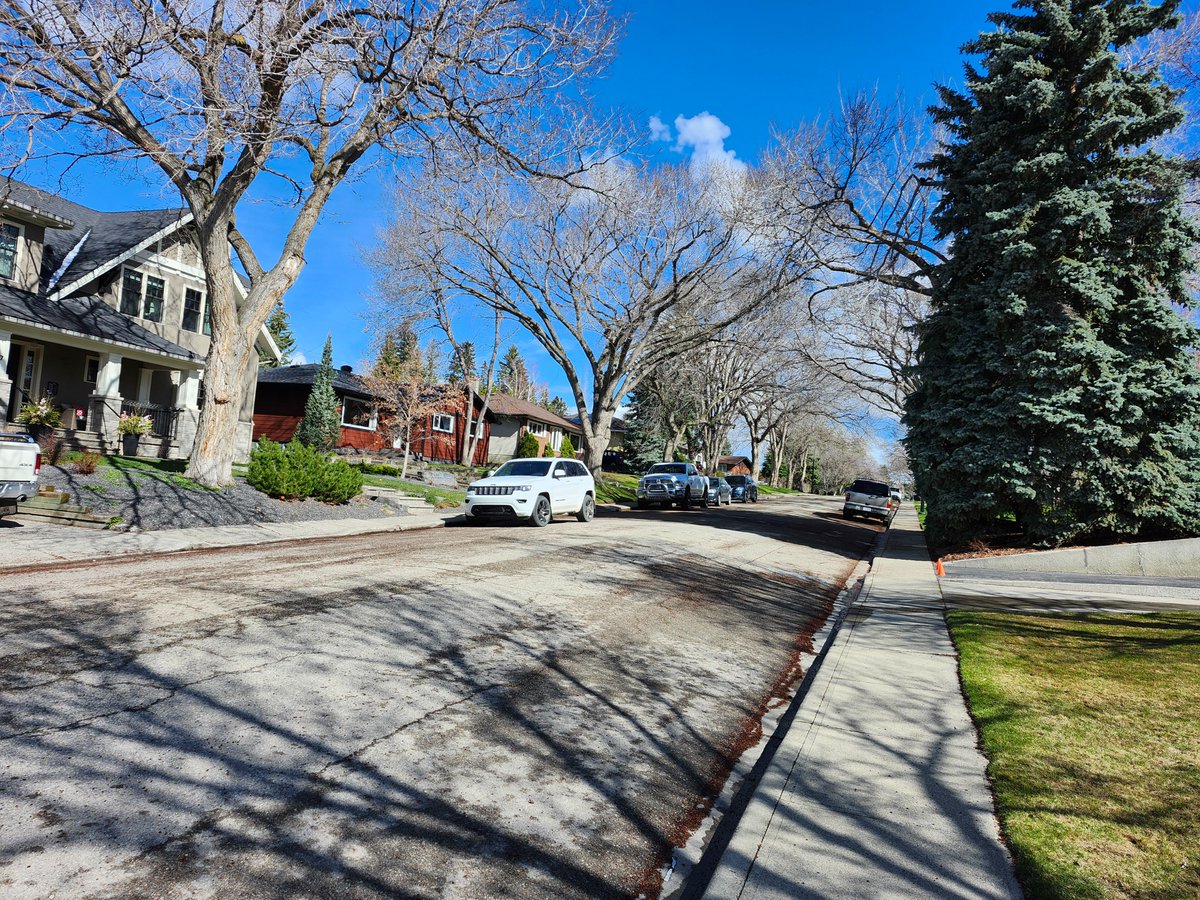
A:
[20,463]
[672,482]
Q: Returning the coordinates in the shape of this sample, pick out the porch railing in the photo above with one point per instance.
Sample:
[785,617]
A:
[162,418]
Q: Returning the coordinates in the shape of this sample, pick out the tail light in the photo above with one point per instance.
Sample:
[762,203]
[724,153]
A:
[37,465]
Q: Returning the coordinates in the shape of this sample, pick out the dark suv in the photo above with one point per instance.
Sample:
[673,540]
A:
[743,488]
[869,498]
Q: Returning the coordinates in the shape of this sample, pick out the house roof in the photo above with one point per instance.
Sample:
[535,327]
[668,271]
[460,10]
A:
[306,373]
[618,424]
[734,460]
[87,238]
[88,316]
[508,405]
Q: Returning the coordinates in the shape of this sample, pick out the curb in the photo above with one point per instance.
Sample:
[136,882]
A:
[126,553]
[696,881]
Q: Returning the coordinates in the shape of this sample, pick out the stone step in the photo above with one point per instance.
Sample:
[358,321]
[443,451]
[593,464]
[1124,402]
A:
[80,517]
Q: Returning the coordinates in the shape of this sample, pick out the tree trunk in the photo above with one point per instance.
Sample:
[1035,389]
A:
[468,444]
[407,446]
[596,438]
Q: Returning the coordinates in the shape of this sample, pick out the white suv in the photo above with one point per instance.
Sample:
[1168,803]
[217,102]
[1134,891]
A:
[533,489]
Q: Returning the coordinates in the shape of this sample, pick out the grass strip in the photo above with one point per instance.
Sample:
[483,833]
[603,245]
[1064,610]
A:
[615,488]
[1091,731]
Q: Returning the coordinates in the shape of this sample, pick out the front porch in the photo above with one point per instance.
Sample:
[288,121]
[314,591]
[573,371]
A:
[92,387]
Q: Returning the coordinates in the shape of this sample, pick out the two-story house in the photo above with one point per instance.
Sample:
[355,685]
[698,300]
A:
[105,313]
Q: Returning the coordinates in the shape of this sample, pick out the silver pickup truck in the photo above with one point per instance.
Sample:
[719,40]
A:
[672,482]
[20,463]
[870,499]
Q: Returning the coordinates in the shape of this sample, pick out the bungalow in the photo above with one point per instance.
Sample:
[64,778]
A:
[515,417]
[734,465]
[283,392]
[102,314]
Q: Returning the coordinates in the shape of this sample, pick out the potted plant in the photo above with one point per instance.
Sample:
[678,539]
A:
[130,428]
[41,418]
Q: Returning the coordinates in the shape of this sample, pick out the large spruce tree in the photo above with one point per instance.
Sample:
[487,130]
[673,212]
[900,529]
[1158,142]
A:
[1056,382]
[321,426]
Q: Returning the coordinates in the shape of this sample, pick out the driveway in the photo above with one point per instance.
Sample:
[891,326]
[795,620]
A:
[465,712]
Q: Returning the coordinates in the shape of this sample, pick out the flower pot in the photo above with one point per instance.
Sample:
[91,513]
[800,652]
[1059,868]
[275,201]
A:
[129,444]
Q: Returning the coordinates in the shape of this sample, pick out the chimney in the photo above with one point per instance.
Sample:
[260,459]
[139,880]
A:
[347,369]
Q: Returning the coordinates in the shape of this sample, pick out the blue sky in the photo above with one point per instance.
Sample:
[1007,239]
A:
[750,65]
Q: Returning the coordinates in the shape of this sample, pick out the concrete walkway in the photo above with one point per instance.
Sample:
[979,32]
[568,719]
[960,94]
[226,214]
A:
[25,544]
[878,789]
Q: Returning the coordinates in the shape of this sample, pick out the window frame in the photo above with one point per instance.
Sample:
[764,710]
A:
[200,311]
[17,246]
[162,298]
[433,423]
[121,299]
[87,363]
[373,420]
[537,429]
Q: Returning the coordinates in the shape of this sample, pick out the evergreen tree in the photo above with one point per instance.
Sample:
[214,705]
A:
[567,448]
[557,405]
[321,426]
[1055,384]
[431,362]
[462,364]
[514,375]
[280,329]
[527,446]
[645,441]
[399,352]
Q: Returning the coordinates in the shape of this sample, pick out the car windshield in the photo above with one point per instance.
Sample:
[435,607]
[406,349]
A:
[668,469]
[715,482]
[870,488]
[736,479]
[525,468]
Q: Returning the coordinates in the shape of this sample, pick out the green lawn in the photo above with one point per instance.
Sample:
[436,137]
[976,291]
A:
[1091,725]
[121,469]
[766,489]
[614,488]
[441,497]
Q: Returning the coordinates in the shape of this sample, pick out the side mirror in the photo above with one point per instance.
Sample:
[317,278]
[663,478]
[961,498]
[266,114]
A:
[558,473]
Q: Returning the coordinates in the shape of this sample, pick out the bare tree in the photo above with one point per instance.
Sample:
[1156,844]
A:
[631,271]
[403,396]
[216,95]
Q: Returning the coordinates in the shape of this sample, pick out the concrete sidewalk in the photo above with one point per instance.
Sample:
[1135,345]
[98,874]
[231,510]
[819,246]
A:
[24,544]
[878,788]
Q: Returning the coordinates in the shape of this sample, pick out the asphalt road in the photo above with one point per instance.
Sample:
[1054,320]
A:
[464,712]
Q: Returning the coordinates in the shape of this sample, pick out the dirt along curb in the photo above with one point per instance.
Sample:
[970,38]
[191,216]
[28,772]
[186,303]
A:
[693,865]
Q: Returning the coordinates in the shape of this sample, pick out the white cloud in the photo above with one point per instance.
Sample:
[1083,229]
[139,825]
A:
[659,131]
[299,359]
[705,134]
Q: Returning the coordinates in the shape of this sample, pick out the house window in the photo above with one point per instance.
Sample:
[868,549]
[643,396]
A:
[443,423]
[131,292]
[91,369]
[9,236]
[207,318]
[357,414]
[193,304]
[155,291]
[538,428]
[555,439]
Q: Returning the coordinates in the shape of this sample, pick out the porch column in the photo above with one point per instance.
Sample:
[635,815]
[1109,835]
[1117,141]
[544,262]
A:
[105,405]
[145,380]
[187,398]
[5,382]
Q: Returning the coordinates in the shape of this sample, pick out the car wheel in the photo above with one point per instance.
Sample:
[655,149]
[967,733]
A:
[704,501]
[754,499]
[686,502]
[541,512]
[587,510]
[641,504]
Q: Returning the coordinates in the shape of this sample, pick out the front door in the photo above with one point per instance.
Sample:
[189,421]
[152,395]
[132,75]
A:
[25,371]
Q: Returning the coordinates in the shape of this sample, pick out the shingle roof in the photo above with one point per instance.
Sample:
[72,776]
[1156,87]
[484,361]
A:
[618,424]
[306,374]
[508,405]
[89,316]
[108,234]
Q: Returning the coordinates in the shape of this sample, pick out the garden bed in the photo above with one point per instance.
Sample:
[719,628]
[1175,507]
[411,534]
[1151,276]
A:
[153,494]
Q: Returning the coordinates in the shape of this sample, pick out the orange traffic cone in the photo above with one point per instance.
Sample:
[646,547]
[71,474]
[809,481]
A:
[941,570]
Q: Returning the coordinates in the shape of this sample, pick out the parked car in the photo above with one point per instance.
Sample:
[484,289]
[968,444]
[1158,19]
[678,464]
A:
[672,482]
[719,491]
[871,499]
[20,463]
[742,487]
[897,494]
[533,489]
